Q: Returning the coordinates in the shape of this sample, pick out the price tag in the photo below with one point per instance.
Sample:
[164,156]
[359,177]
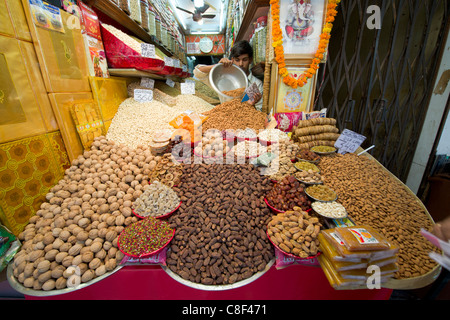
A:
[147,83]
[148,50]
[187,88]
[168,62]
[184,68]
[170,83]
[143,95]
[349,141]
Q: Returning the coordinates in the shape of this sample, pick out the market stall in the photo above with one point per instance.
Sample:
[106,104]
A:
[163,192]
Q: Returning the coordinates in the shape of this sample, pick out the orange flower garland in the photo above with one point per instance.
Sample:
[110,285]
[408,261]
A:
[277,36]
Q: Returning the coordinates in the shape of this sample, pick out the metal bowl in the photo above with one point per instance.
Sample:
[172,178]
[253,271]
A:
[226,79]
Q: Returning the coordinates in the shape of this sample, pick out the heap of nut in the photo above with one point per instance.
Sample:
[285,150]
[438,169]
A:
[220,235]
[84,214]
[287,194]
[295,232]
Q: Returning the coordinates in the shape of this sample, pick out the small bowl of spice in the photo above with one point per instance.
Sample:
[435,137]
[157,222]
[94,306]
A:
[321,193]
[306,166]
[145,237]
[323,150]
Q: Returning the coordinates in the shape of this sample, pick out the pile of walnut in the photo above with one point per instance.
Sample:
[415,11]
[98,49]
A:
[84,214]
[295,232]
[315,132]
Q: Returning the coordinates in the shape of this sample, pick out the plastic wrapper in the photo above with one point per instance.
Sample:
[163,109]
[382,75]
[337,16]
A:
[88,121]
[9,246]
[144,15]
[338,244]
[135,10]
[362,238]
[335,279]
[61,103]
[287,121]
[154,259]
[89,21]
[119,55]
[61,56]
[283,260]
[188,118]
[314,114]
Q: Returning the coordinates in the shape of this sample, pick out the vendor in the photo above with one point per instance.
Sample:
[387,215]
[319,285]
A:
[242,56]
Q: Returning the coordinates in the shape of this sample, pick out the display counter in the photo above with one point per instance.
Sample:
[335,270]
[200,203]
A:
[153,283]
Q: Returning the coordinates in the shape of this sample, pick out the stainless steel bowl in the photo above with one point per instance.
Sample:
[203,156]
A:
[226,79]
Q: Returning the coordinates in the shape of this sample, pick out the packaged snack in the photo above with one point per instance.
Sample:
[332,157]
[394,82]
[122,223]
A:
[335,279]
[287,121]
[362,238]
[338,244]
[330,251]
[362,274]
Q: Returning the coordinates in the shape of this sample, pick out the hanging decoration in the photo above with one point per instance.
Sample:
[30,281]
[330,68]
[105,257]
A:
[277,36]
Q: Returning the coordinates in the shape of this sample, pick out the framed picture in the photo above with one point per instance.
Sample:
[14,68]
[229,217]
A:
[301,22]
[285,99]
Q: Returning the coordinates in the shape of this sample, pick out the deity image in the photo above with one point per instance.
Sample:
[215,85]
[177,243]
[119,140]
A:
[299,23]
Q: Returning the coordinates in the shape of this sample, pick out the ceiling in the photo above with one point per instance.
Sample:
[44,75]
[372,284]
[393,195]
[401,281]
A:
[209,26]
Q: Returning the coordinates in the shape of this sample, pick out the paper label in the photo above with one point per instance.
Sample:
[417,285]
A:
[170,83]
[363,236]
[143,95]
[148,50]
[46,16]
[147,83]
[349,141]
[187,88]
[168,62]
[337,238]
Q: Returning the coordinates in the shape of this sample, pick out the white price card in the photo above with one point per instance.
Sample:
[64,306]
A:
[184,68]
[168,61]
[143,95]
[348,141]
[187,88]
[148,50]
[170,83]
[147,83]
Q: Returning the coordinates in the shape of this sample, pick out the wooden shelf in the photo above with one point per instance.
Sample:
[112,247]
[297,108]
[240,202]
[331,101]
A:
[115,13]
[133,73]
[255,9]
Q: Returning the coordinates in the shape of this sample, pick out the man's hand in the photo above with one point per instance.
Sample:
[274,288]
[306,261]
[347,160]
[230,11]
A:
[255,99]
[226,62]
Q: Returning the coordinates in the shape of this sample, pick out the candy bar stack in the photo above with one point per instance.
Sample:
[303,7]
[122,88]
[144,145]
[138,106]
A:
[356,257]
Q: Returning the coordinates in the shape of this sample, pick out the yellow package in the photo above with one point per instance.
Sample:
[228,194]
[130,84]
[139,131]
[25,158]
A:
[88,121]
[362,238]
[330,251]
[338,244]
[335,279]
[384,272]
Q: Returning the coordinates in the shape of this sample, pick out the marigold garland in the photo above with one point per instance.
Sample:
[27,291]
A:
[277,36]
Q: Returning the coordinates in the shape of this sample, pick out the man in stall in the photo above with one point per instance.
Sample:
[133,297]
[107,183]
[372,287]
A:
[241,55]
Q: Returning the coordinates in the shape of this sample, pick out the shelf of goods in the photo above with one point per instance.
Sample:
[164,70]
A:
[221,246]
[124,51]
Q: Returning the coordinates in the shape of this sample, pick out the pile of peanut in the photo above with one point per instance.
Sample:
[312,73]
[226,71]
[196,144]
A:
[295,232]
[374,197]
[220,235]
[234,114]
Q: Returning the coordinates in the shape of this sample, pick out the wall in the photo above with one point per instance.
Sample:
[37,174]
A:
[218,48]
[431,125]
